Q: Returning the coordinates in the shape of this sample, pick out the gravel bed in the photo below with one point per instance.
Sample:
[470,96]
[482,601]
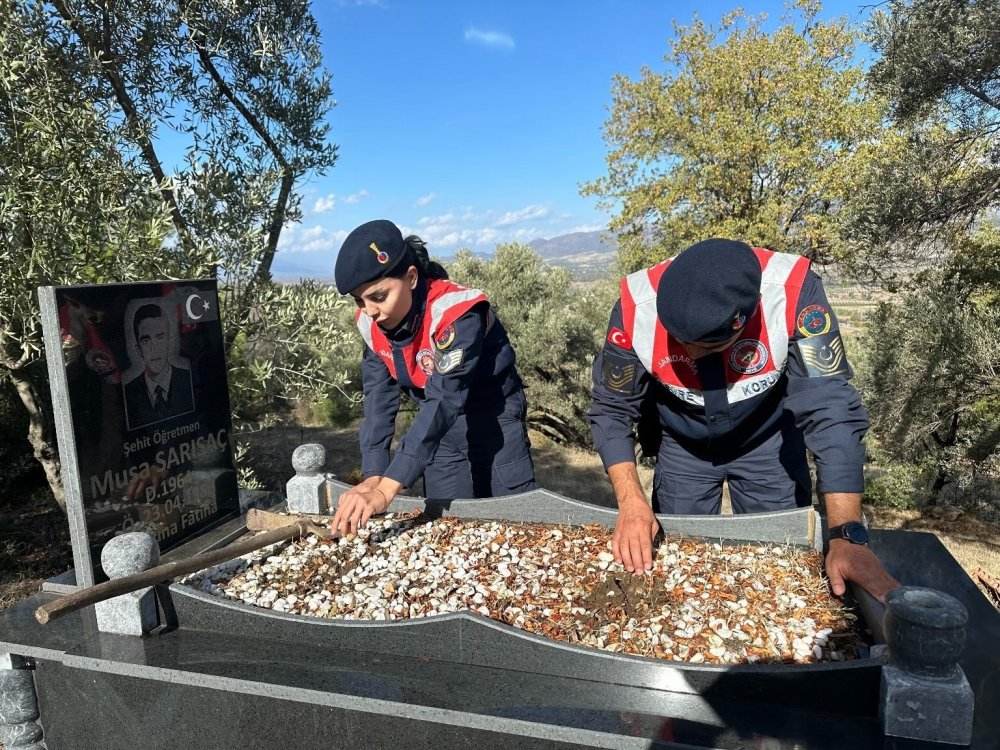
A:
[703,602]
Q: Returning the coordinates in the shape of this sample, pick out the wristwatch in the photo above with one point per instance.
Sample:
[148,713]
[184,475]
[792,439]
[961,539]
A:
[853,531]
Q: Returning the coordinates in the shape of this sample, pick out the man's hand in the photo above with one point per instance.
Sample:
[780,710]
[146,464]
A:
[854,562]
[632,543]
[356,506]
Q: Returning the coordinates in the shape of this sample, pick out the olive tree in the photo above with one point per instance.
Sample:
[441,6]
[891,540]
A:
[923,222]
[554,326]
[89,93]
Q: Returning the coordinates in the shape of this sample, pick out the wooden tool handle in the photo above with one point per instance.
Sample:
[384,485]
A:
[265,520]
[118,586]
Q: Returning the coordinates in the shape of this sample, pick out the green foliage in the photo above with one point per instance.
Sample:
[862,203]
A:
[935,51]
[921,222]
[88,91]
[74,208]
[294,356]
[893,484]
[553,327]
[932,178]
[929,370]
[746,134]
[345,405]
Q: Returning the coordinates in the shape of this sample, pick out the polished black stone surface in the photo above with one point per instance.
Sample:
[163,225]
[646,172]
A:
[297,687]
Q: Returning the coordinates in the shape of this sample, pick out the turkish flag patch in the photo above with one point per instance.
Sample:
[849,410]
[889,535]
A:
[618,337]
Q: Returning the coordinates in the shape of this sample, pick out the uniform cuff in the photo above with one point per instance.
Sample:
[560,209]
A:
[840,478]
[617,452]
[404,470]
[374,465]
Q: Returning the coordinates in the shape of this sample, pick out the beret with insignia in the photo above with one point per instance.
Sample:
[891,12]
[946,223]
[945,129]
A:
[370,252]
[708,292]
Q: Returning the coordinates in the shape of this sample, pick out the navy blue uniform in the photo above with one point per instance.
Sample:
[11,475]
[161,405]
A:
[469,437]
[757,443]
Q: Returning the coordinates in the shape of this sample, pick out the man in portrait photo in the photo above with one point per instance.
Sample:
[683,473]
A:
[162,389]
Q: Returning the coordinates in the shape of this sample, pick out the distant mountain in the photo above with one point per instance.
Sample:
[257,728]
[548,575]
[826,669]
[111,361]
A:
[581,252]
[589,255]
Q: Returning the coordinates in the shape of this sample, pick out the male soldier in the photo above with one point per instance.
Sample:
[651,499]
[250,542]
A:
[739,353]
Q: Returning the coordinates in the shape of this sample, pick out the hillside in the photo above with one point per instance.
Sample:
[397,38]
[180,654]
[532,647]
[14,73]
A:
[587,254]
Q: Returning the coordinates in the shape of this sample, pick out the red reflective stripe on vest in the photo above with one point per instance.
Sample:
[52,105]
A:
[446,303]
[753,363]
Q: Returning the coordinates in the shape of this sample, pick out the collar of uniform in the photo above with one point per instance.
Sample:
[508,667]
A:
[411,323]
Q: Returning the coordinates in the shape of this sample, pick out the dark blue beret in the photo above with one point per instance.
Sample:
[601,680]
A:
[370,252]
[708,292]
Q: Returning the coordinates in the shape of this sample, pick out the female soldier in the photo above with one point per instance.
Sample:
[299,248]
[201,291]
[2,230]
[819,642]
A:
[441,344]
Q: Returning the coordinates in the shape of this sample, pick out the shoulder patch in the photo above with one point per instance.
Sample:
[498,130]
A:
[823,355]
[445,362]
[813,321]
[618,373]
[445,338]
[618,337]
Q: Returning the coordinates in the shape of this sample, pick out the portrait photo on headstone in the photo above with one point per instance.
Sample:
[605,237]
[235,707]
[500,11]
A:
[142,410]
[158,385]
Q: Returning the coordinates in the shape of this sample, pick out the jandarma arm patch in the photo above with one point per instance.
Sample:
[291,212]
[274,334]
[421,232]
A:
[617,373]
[445,362]
[823,355]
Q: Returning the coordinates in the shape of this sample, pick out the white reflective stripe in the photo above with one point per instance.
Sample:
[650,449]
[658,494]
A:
[755,385]
[775,302]
[643,331]
[446,301]
[688,395]
[365,326]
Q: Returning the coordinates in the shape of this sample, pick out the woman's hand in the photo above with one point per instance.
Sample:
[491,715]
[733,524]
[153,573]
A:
[362,502]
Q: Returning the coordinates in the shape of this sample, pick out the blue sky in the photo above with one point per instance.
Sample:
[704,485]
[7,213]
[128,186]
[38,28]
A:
[475,123]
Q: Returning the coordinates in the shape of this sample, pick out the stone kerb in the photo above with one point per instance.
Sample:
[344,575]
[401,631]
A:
[796,526]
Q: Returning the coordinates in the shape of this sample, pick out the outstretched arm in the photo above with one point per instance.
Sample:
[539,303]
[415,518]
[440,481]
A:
[617,393]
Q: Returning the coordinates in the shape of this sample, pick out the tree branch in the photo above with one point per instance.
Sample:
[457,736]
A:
[263,270]
[980,95]
[102,53]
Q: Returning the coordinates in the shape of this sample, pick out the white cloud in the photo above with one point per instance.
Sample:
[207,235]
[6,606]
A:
[495,39]
[356,198]
[324,204]
[483,230]
[425,199]
[314,239]
[528,213]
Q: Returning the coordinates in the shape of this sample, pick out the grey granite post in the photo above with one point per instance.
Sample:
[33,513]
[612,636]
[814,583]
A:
[924,693]
[306,491]
[133,613]
[19,728]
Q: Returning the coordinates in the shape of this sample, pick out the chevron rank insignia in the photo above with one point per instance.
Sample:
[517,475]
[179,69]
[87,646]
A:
[617,373]
[824,355]
[447,361]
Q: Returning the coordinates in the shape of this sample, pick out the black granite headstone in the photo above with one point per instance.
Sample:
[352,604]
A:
[141,401]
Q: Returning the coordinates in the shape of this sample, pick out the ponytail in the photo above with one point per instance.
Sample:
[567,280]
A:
[429,268]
